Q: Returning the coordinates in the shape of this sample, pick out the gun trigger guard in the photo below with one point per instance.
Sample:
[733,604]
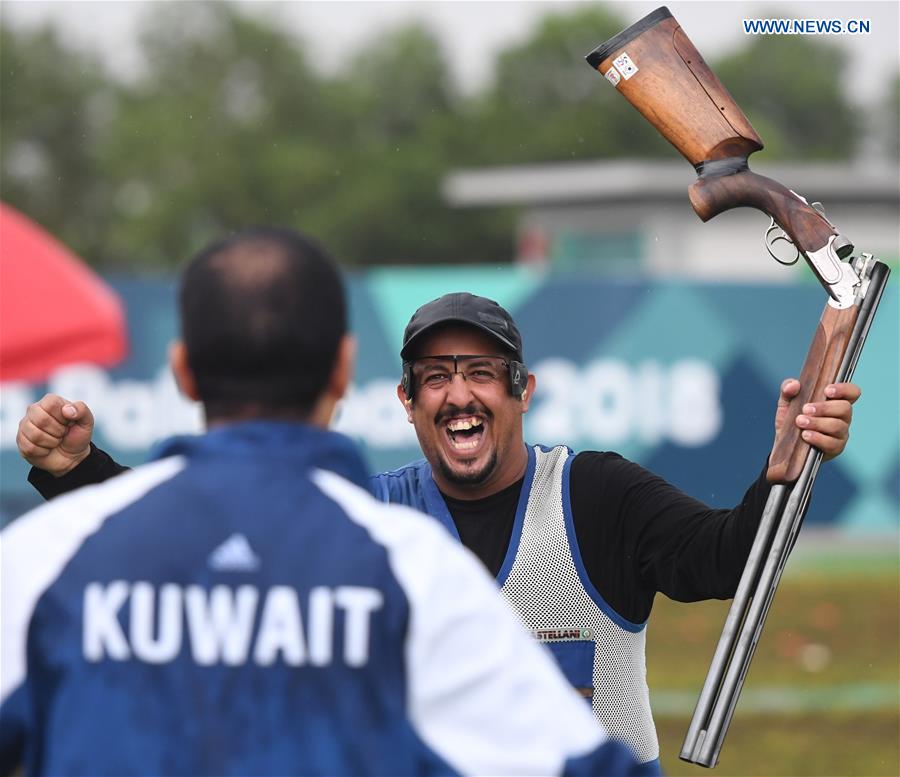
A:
[780,236]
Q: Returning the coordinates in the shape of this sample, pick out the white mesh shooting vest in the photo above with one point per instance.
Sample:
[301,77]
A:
[548,586]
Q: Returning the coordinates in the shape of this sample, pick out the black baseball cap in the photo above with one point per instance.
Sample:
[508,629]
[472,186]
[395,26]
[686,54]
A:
[463,308]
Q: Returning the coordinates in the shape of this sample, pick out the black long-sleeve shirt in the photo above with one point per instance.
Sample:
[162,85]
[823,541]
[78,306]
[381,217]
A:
[637,534]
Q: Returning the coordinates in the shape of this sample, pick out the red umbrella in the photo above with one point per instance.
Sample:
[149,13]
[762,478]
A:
[53,309]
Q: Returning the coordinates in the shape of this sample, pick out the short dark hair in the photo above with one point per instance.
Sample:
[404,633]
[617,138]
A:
[262,314]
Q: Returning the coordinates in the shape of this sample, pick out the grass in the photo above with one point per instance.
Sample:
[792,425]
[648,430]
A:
[822,695]
[861,744]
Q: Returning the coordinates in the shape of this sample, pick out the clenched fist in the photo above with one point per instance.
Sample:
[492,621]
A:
[55,434]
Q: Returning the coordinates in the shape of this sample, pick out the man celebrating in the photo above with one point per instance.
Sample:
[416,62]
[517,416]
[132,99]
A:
[242,605]
[580,544]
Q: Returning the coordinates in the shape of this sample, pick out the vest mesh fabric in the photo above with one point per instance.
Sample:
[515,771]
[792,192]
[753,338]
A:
[544,587]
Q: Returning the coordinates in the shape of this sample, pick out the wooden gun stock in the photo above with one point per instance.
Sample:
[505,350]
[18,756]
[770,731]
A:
[808,229]
[829,344]
[660,72]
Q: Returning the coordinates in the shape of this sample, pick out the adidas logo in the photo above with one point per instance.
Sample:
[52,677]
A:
[234,555]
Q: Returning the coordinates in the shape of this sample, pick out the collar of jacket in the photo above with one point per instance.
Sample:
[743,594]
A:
[299,445]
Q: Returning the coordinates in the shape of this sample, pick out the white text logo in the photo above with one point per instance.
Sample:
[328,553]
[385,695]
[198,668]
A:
[218,624]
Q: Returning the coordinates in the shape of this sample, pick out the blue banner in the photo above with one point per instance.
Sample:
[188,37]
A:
[680,377]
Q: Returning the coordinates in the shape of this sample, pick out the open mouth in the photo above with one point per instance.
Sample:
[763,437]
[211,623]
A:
[466,433]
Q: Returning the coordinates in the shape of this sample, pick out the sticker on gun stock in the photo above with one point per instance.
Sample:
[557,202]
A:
[612,75]
[624,64]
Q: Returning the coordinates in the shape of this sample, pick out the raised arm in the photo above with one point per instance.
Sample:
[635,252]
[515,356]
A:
[55,434]
[639,534]
[55,438]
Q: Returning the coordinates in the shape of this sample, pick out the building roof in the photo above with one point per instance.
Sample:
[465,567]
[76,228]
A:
[623,179]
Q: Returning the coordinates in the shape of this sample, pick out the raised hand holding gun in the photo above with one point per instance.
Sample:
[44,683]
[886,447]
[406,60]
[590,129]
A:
[660,72]
[824,425]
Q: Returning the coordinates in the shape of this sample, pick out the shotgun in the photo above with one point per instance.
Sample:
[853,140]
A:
[659,71]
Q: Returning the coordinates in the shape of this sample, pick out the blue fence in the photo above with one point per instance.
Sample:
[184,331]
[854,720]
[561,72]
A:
[681,377]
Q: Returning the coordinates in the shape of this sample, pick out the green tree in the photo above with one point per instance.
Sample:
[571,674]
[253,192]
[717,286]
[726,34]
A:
[547,104]
[405,111]
[401,83]
[230,123]
[256,134]
[791,92]
[56,112]
[224,129]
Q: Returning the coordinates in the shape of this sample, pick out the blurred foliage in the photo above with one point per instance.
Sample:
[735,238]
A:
[792,96]
[546,104]
[819,699]
[56,116]
[231,124]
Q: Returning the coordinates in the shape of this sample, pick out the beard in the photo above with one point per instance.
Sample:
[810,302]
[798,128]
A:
[470,478]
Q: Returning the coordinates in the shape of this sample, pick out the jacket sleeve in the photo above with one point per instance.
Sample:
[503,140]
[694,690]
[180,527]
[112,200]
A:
[13,732]
[96,467]
[483,693]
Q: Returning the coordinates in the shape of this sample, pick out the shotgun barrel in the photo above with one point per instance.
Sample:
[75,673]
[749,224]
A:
[778,530]
[658,70]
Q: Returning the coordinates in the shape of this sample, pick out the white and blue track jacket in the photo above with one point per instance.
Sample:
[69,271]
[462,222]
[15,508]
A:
[243,606]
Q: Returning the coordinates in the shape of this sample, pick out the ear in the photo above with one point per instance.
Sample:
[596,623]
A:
[407,403]
[530,386]
[344,363]
[181,369]
[322,413]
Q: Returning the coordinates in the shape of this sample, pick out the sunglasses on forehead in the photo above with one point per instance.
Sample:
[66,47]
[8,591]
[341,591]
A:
[432,373]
